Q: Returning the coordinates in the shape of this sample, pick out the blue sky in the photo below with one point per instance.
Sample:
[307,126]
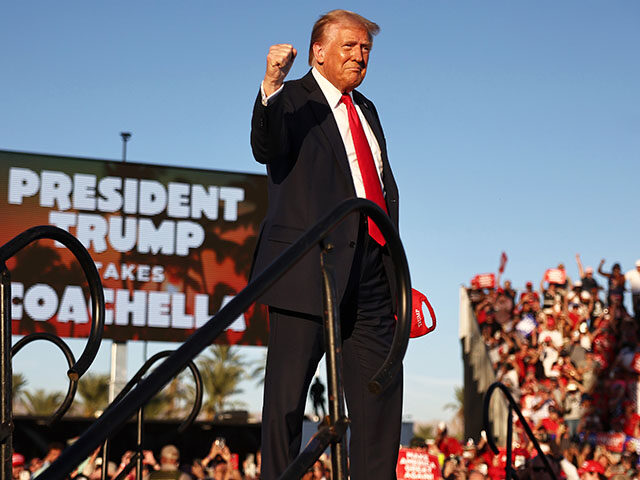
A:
[511,126]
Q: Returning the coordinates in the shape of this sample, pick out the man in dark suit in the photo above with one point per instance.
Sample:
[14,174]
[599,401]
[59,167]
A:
[322,143]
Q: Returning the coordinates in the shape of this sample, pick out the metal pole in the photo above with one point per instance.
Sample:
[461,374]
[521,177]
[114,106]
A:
[333,350]
[139,442]
[6,413]
[105,460]
[125,138]
[509,471]
[118,374]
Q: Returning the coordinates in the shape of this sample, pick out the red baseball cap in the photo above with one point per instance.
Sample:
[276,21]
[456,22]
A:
[418,324]
[17,460]
[591,466]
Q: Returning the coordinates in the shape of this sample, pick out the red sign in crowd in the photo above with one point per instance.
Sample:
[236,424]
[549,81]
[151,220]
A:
[555,275]
[484,280]
[417,465]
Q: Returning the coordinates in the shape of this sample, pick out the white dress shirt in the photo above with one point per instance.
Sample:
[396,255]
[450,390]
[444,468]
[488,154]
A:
[633,277]
[339,109]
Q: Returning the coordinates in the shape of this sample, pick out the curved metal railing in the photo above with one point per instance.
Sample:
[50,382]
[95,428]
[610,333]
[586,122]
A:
[16,244]
[76,368]
[68,354]
[136,459]
[513,406]
[111,419]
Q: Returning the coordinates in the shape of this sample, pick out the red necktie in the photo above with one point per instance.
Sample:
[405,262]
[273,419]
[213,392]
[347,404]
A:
[370,178]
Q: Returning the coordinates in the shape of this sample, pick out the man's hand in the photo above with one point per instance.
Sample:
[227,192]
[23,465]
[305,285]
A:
[279,62]
[149,459]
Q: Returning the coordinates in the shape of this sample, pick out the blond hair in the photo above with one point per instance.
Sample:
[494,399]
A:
[337,16]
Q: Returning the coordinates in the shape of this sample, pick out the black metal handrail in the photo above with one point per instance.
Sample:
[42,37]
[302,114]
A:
[76,368]
[110,420]
[513,406]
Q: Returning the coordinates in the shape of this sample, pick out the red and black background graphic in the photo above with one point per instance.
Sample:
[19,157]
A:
[172,246]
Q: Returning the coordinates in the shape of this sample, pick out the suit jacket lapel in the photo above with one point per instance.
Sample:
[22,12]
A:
[367,111]
[327,122]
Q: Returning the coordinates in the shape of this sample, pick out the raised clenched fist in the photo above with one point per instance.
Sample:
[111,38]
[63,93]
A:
[279,61]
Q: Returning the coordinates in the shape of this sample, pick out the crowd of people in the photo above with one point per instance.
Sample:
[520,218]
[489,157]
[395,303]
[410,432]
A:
[219,464]
[569,354]
[569,459]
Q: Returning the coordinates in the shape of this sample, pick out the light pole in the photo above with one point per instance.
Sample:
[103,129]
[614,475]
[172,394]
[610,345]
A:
[118,375]
[125,138]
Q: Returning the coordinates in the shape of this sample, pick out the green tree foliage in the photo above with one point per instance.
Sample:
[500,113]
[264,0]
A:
[222,370]
[457,422]
[18,384]
[41,402]
[259,370]
[424,432]
[93,392]
[458,405]
[175,400]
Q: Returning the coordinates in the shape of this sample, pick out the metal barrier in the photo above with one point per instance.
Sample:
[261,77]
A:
[113,418]
[513,406]
[76,369]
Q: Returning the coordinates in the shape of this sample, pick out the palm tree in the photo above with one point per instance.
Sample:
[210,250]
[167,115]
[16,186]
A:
[181,392]
[42,402]
[158,405]
[18,383]
[458,408]
[258,371]
[222,371]
[424,431]
[94,393]
[174,400]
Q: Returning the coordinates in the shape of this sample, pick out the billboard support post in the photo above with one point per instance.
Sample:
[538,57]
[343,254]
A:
[118,376]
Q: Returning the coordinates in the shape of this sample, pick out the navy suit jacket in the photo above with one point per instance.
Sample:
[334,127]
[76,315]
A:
[298,139]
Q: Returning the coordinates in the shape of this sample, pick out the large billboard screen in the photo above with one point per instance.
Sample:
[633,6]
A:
[172,246]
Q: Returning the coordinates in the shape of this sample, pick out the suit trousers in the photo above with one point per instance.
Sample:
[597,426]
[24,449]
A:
[296,345]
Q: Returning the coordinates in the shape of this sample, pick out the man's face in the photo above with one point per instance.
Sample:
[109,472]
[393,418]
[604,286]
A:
[318,470]
[54,453]
[342,55]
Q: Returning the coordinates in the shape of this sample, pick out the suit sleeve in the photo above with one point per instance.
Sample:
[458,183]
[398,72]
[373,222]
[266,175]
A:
[269,133]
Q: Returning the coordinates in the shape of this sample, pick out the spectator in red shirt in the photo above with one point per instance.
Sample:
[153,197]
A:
[552,422]
[446,444]
[632,424]
[529,295]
